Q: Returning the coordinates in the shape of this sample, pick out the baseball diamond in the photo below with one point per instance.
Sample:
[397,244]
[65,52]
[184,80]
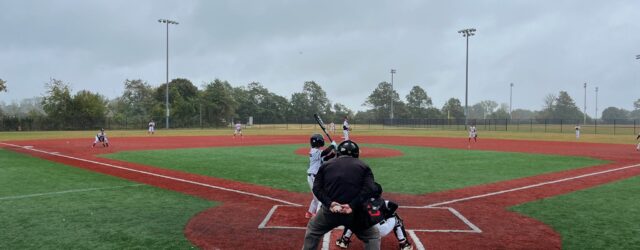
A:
[472,217]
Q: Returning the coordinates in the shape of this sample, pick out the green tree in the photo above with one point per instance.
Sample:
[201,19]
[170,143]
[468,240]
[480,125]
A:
[318,100]
[256,101]
[523,114]
[3,85]
[417,102]
[565,108]
[57,103]
[452,109]
[547,108]
[380,100]
[501,113]
[89,110]
[138,99]
[218,102]
[183,102]
[339,112]
[612,113]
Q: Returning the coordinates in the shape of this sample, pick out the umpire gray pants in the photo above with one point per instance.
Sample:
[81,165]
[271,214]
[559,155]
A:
[325,221]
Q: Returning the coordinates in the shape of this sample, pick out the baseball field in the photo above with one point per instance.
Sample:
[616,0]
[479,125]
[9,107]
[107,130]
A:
[183,189]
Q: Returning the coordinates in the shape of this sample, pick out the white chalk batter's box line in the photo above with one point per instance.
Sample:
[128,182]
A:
[472,228]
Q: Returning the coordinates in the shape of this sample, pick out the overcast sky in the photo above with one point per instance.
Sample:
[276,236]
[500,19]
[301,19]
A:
[348,47]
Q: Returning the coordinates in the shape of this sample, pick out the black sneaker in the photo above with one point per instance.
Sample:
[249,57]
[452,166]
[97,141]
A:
[343,242]
[406,245]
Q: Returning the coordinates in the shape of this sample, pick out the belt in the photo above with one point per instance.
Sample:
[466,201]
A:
[312,175]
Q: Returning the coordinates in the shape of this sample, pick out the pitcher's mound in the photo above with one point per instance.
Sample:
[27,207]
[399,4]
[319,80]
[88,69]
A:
[364,152]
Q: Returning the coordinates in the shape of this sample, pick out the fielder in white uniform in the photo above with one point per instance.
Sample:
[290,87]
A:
[316,157]
[577,131]
[238,130]
[101,137]
[345,129]
[638,146]
[152,127]
[473,133]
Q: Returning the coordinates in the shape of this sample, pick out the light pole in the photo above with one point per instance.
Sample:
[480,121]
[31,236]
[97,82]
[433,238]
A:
[510,101]
[393,71]
[167,21]
[596,104]
[467,33]
[585,104]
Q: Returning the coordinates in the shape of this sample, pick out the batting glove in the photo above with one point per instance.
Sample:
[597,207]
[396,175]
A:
[334,144]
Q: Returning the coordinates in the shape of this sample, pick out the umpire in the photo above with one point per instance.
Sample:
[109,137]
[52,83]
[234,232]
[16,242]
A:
[342,185]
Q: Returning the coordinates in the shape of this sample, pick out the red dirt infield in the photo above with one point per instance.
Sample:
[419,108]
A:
[258,217]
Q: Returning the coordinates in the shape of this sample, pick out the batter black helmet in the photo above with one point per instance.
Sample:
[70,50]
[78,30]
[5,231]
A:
[316,140]
[349,148]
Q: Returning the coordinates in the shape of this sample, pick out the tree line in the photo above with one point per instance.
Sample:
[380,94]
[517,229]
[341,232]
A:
[218,103]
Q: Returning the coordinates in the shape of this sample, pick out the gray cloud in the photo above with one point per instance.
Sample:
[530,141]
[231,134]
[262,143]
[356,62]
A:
[346,46]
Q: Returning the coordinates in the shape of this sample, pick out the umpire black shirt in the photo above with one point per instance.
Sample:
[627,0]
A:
[345,180]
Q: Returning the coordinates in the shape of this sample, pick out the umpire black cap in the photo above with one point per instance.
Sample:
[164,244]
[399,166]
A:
[349,148]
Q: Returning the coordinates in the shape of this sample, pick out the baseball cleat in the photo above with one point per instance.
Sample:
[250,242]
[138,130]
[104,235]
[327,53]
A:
[406,245]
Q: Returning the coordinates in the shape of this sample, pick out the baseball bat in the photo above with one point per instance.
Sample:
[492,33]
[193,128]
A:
[321,124]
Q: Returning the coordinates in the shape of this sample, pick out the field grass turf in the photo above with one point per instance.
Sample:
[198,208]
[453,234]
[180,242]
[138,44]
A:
[602,217]
[119,214]
[419,170]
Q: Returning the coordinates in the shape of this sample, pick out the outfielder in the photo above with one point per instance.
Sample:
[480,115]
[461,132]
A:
[238,130]
[345,129]
[577,131]
[388,221]
[101,137]
[638,146]
[316,157]
[152,127]
[473,133]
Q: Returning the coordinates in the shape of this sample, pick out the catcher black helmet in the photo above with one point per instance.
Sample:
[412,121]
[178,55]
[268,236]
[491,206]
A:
[377,191]
[349,148]
[316,140]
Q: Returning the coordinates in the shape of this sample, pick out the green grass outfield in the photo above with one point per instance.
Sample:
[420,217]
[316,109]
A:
[602,217]
[46,205]
[419,170]
[626,138]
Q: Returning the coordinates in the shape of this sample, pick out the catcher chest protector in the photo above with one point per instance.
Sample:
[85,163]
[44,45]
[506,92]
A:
[316,141]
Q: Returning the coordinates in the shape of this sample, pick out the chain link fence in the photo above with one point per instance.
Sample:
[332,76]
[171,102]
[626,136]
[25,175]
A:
[613,127]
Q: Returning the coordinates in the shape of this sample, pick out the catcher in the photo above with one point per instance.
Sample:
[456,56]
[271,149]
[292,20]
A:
[102,138]
[383,213]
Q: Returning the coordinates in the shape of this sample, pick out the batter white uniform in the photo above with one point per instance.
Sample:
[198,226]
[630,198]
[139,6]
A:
[345,129]
[315,160]
[577,131]
[152,127]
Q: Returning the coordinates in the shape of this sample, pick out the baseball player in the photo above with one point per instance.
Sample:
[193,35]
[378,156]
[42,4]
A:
[152,127]
[332,128]
[346,128]
[101,137]
[473,133]
[238,130]
[316,157]
[577,131]
[638,146]
[387,220]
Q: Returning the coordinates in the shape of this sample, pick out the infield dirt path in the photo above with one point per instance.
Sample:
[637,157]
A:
[257,217]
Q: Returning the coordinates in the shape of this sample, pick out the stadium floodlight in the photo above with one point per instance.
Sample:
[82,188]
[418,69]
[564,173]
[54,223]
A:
[393,71]
[467,33]
[167,21]
[510,100]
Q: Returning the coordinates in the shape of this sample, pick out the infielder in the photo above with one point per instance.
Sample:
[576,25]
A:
[101,137]
[577,131]
[238,130]
[389,221]
[316,157]
[152,127]
[345,129]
